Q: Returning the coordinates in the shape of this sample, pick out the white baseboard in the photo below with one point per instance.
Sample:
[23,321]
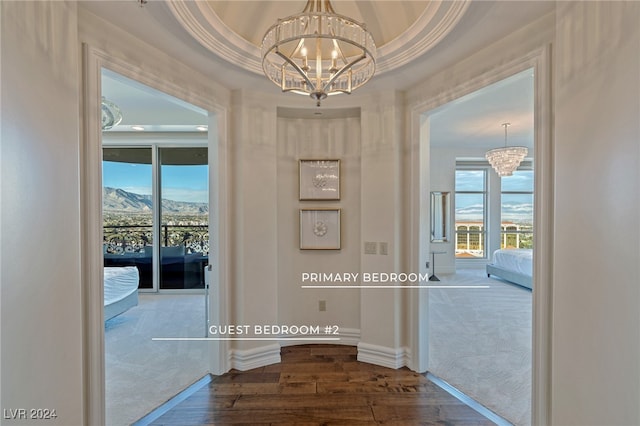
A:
[384,356]
[346,336]
[248,359]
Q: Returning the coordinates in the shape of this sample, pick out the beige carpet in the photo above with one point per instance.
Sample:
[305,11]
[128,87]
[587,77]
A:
[141,374]
[480,342]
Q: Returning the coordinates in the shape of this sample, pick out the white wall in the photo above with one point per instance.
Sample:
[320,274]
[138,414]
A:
[266,149]
[254,270]
[596,343]
[40,272]
[596,294]
[383,312]
[318,139]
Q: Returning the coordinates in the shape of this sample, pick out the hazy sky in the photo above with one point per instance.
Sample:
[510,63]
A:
[179,183]
[515,207]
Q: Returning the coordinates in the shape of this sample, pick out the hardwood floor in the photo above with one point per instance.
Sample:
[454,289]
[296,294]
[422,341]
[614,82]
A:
[321,385]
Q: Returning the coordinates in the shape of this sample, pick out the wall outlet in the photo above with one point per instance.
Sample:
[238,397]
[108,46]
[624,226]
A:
[384,248]
[370,247]
[322,305]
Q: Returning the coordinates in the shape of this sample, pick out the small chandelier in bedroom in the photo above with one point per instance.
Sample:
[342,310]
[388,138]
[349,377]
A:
[506,160]
[111,114]
[318,52]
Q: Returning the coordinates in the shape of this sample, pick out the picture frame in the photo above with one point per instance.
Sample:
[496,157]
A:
[320,229]
[319,179]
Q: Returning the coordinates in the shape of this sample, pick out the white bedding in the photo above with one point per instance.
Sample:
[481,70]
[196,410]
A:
[517,260]
[119,282]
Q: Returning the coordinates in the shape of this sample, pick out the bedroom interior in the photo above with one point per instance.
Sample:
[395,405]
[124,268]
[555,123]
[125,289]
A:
[471,328]
[156,246]
[587,65]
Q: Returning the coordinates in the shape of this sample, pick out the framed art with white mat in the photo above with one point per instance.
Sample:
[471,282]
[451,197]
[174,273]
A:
[320,229]
[319,180]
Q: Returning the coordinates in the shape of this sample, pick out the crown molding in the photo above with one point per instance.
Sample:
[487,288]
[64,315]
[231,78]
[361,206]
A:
[200,20]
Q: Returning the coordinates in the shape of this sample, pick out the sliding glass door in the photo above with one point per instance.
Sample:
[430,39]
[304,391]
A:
[156,211]
[127,206]
[184,217]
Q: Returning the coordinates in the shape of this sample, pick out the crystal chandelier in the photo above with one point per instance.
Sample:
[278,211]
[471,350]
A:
[318,52]
[506,160]
[111,114]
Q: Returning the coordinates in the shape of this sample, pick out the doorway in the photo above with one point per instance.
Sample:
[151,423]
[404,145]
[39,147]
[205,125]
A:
[480,338]
[155,199]
[194,92]
[542,241]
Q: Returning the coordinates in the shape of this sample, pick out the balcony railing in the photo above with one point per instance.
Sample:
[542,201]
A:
[119,239]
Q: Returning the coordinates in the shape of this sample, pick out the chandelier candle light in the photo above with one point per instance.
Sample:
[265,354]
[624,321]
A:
[506,160]
[318,52]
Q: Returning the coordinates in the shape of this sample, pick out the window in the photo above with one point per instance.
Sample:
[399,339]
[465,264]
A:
[516,211]
[471,212]
[157,194]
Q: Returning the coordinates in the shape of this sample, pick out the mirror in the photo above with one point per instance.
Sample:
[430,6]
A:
[439,217]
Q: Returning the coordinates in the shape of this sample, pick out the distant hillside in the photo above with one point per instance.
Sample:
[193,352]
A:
[119,200]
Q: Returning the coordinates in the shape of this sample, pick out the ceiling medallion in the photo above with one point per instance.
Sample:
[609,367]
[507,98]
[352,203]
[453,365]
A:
[318,52]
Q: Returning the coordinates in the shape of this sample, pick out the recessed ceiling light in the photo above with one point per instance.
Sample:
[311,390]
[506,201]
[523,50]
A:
[202,128]
[138,128]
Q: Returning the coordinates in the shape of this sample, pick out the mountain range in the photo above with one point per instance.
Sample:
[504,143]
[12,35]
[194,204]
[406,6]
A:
[121,201]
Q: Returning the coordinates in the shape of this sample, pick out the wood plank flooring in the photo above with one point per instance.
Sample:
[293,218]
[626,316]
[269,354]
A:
[321,385]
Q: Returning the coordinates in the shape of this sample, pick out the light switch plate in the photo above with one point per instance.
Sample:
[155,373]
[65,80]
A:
[384,247]
[370,247]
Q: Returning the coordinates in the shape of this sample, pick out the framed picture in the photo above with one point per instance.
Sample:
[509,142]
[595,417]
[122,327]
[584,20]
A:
[320,229]
[319,180]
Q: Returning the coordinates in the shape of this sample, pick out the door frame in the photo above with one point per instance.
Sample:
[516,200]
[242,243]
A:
[93,60]
[540,60]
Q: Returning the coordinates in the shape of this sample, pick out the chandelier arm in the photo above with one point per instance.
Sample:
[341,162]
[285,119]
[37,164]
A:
[298,47]
[315,80]
[336,46]
[341,71]
[296,67]
[318,63]
[328,7]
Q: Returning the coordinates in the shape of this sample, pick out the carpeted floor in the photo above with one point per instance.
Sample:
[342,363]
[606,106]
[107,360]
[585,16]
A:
[480,342]
[141,373]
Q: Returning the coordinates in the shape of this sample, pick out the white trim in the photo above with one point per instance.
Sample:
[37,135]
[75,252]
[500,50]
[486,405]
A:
[540,60]
[384,356]
[543,241]
[205,26]
[91,203]
[248,359]
[347,336]
[422,36]
[92,258]
[462,397]
[173,402]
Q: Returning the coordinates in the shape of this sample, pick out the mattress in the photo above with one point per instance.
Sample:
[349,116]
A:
[516,260]
[119,282]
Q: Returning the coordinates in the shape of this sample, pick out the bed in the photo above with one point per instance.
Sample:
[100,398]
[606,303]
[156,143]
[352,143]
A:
[513,265]
[120,290]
